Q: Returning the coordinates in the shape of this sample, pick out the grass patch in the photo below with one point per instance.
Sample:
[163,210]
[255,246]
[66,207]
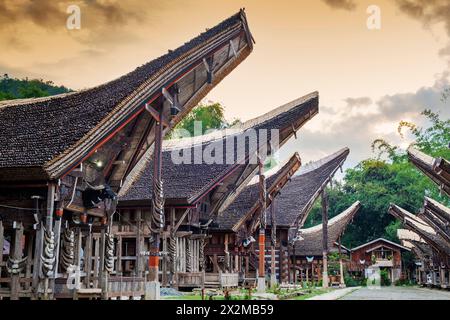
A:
[309,293]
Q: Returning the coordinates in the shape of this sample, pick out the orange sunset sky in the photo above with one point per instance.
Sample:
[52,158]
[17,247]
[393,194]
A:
[368,80]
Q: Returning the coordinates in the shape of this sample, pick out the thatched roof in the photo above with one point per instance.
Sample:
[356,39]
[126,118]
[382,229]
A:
[248,199]
[438,209]
[191,179]
[295,198]
[49,136]
[311,243]
[436,215]
[408,235]
[419,226]
[437,169]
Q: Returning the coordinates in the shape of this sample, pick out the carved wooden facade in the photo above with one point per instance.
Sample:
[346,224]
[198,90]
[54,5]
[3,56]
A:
[65,158]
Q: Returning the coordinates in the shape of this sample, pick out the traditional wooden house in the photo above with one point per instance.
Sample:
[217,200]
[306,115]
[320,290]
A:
[424,256]
[197,190]
[64,158]
[228,251]
[435,263]
[378,254]
[437,169]
[431,223]
[288,205]
[307,255]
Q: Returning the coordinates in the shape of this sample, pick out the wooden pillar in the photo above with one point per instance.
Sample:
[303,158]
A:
[262,226]
[119,255]
[273,275]
[325,238]
[57,232]
[157,209]
[138,267]
[227,254]
[102,274]
[49,226]
[215,265]
[37,259]
[164,263]
[2,241]
[307,272]
[246,266]
[173,247]
[29,241]
[262,249]
[290,261]
[96,258]
[442,276]
[88,259]
[341,266]
[16,254]
[236,258]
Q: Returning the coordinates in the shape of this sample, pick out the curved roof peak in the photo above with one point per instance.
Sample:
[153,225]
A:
[237,129]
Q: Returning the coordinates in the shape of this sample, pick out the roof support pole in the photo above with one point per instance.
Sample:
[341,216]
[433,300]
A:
[341,266]
[157,214]
[325,238]
[262,225]
[139,240]
[57,231]
[2,241]
[48,254]
[273,236]
[236,258]
[172,247]
[14,259]
[103,273]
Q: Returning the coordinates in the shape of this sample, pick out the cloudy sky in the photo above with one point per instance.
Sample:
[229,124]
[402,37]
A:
[368,80]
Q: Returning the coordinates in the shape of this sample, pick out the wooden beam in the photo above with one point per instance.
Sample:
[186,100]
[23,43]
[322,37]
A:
[29,241]
[103,276]
[119,255]
[205,63]
[16,253]
[138,267]
[38,242]
[157,115]
[96,264]
[262,224]
[87,259]
[181,220]
[57,233]
[232,49]
[2,241]
[325,238]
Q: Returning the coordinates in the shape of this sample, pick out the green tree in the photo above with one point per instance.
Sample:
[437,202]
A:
[13,88]
[377,182]
[211,116]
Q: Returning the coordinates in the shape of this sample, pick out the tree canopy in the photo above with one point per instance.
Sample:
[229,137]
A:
[379,181]
[13,88]
[209,116]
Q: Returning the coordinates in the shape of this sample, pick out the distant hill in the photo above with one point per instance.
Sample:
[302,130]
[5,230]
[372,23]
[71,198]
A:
[13,88]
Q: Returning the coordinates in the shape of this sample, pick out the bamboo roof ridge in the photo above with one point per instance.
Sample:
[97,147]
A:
[311,243]
[295,198]
[190,180]
[48,135]
[437,169]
